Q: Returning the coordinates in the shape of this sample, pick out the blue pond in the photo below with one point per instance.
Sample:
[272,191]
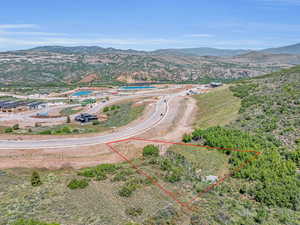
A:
[81,93]
[135,87]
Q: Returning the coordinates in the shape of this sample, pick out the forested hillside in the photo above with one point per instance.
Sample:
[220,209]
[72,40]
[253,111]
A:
[268,122]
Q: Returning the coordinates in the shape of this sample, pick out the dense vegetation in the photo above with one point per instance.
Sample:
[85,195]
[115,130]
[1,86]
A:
[269,123]
[276,183]
[270,105]
[150,150]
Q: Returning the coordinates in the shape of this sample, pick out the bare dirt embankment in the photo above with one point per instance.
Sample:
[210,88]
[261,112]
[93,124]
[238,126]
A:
[178,122]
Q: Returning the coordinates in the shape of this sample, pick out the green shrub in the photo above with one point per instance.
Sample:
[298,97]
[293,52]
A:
[99,171]
[108,168]
[130,186]
[89,172]
[150,150]
[96,122]
[75,184]
[133,211]
[187,138]
[66,130]
[46,132]
[261,215]
[75,131]
[35,179]
[8,130]
[127,190]
[174,175]
[166,164]
[100,176]
[106,109]
[123,175]
[295,156]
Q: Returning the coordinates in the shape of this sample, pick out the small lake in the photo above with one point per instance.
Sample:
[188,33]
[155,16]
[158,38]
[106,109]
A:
[136,87]
[82,93]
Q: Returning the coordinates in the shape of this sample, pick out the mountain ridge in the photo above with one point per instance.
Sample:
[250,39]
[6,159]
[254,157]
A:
[289,49]
[72,65]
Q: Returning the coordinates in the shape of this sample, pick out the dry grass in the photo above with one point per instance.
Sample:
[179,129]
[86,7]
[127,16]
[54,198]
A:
[218,107]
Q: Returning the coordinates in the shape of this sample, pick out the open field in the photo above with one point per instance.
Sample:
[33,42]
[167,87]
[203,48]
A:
[92,205]
[218,107]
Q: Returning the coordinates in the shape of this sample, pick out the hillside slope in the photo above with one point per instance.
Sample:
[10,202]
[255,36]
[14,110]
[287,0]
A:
[290,49]
[270,105]
[201,51]
[70,65]
[268,122]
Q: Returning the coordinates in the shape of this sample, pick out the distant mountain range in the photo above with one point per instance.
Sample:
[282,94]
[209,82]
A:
[290,49]
[93,64]
[202,51]
[82,50]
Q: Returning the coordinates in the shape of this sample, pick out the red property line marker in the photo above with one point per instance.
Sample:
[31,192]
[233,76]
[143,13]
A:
[224,178]
[202,146]
[169,193]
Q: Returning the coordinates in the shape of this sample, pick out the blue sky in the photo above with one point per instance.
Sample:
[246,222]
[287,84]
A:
[151,24]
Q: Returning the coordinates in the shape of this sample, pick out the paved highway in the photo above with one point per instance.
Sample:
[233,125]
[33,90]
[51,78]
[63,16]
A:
[63,142]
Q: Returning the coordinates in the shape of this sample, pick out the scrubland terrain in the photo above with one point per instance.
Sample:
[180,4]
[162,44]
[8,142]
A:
[258,114]
[62,65]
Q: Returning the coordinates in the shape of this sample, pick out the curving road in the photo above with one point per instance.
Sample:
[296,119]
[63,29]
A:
[155,119]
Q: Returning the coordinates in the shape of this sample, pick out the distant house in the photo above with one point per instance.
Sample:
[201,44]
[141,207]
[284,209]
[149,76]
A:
[17,106]
[36,105]
[13,106]
[215,84]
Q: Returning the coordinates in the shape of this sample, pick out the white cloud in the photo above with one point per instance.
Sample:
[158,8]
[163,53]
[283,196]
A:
[30,33]
[18,26]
